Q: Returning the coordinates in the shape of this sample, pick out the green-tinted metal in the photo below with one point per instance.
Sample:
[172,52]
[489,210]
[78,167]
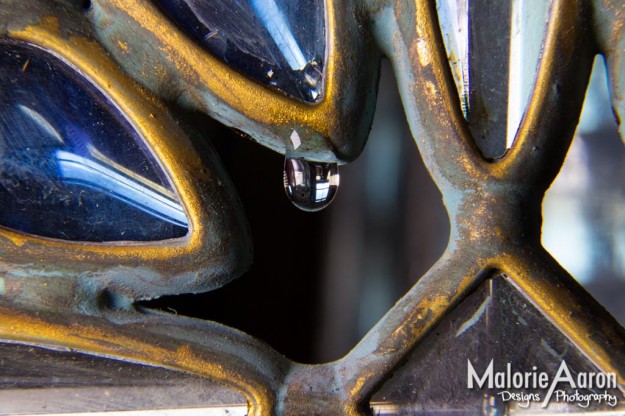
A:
[494,205]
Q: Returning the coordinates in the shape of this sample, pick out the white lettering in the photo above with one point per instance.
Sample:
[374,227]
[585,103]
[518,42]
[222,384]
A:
[472,375]
[559,378]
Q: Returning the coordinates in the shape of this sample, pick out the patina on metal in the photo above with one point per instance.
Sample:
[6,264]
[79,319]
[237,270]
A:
[494,205]
[159,55]
[207,257]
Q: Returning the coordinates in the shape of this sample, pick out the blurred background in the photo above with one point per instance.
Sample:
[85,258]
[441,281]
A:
[584,210]
[321,280]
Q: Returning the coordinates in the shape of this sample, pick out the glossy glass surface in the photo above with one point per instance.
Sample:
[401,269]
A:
[275,42]
[71,166]
[35,380]
[498,324]
[493,48]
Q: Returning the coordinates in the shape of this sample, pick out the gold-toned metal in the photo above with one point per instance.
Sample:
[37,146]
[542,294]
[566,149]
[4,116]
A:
[252,370]
[205,258]
[494,206]
[334,129]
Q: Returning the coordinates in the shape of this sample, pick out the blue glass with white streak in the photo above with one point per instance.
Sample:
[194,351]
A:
[71,165]
[280,43]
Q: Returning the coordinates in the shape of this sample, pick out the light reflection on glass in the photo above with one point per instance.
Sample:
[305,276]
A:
[279,29]
[494,79]
[528,25]
[453,16]
[37,380]
[280,43]
[79,170]
[71,166]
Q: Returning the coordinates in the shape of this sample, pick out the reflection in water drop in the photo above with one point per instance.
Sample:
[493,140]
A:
[311,186]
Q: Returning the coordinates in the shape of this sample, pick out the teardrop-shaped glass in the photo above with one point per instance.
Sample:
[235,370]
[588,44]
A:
[493,47]
[280,43]
[453,17]
[311,186]
[71,166]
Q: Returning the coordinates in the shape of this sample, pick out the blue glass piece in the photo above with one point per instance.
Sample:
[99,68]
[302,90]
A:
[71,166]
[276,42]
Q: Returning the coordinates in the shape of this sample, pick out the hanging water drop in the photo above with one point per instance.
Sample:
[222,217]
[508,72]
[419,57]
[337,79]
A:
[311,186]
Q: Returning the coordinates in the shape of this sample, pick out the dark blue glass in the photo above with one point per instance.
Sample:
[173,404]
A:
[71,166]
[276,42]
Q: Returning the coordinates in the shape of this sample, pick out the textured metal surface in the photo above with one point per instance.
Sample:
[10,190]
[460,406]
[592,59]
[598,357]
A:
[494,323]
[204,349]
[161,57]
[493,206]
[217,246]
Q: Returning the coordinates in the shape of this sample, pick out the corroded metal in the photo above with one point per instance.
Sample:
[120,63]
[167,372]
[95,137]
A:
[160,56]
[209,256]
[494,206]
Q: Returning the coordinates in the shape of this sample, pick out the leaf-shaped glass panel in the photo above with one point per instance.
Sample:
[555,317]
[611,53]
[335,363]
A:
[275,42]
[493,48]
[71,165]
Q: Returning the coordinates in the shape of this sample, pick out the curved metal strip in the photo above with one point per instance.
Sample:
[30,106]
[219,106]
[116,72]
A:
[343,387]
[202,348]
[548,124]
[216,248]
[166,61]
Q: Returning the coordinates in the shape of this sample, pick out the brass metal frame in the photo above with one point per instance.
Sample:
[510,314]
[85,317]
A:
[161,56]
[203,259]
[494,206]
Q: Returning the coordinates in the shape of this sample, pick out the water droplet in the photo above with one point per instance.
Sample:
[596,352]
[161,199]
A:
[311,186]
